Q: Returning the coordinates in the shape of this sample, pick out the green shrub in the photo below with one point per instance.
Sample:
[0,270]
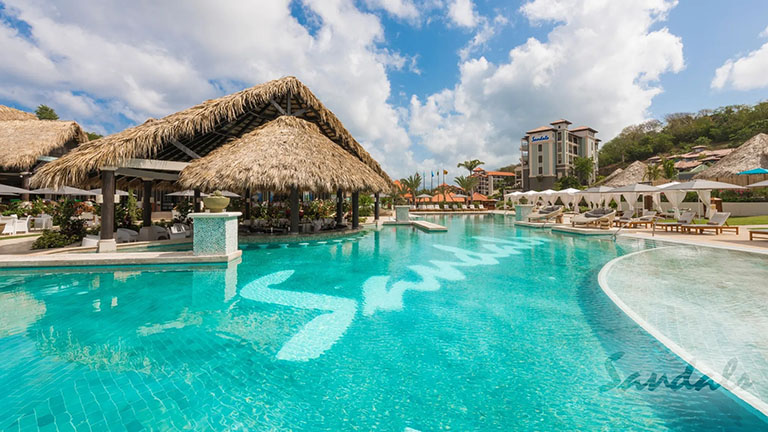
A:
[54,239]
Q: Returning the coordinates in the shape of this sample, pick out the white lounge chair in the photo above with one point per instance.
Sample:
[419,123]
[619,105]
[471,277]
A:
[10,224]
[546,214]
[716,222]
[125,235]
[90,240]
[471,206]
[685,219]
[464,207]
[179,231]
[22,225]
[480,207]
[602,217]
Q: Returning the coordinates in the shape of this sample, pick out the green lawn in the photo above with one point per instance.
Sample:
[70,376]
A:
[737,220]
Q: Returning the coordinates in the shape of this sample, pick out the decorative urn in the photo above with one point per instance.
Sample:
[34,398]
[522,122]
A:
[216,202]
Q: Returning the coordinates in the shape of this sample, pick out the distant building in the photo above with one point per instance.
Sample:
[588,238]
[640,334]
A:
[547,153]
[491,181]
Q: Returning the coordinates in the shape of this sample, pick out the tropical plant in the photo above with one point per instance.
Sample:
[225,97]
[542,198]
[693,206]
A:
[468,183]
[470,165]
[583,167]
[412,184]
[652,172]
[566,182]
[668,166]
[44,112]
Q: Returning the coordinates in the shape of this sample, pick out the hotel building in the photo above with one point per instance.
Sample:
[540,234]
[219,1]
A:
[491,181]
[547,153]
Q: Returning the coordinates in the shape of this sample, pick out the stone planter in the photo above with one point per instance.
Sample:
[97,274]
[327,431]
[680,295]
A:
[522,211]
[216,203]
[401,213]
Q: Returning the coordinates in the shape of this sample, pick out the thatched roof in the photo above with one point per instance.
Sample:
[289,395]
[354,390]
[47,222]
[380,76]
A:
[202,129]
[284,153]
[634,173]
[751,154]
[22,142]
[8,113]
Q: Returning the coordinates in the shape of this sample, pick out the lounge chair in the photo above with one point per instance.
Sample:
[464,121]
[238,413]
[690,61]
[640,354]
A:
[758,232]
[546,214]
[90,240]
[716,222]
[646,219]
[480,207]
[178,231]
[9,223]
[22,225]
[685,219]
[125,235]
[602,217]
[464,207]
[454,207]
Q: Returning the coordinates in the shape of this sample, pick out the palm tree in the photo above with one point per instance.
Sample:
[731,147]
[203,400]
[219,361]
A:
[652,172]
[468,184]
[669,168]
[470,165]
[412,184]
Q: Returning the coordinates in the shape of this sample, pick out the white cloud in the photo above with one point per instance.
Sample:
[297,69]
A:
[462,13]
[404,9]
[744,73]
[102,64]
[599,66]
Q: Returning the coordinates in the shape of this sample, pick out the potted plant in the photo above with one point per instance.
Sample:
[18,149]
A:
[216,202]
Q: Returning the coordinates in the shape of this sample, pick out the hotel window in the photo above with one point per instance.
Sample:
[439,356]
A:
[541,159]
[540,148]
[559,136]
[541,170]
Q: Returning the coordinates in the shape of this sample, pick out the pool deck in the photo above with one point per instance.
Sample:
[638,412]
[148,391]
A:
[113,259]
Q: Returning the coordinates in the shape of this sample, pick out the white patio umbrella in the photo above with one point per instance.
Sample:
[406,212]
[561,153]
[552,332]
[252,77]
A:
[759,184]
[11,190]
[64,190]
[703,189]
[3,193]
[632,192]
[117,192]
[185,193]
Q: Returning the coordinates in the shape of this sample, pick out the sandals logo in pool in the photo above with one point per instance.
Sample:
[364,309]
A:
[319,334]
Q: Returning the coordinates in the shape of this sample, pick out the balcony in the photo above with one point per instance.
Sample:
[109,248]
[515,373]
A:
[524,146]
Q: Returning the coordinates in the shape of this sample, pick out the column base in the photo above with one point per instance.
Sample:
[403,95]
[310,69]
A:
[106,246]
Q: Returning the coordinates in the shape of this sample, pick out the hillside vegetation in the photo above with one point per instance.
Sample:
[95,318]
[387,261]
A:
[727,126]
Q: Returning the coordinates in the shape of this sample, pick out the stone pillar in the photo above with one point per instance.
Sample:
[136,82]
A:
[146,207]
[402,213]
[215,233]
[198,208]
[248,204]
[376,206]
[355,209]
[107,234]
[339,207]
[294,210]
[25,185]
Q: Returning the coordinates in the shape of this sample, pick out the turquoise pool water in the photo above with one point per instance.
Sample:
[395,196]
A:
[484,327]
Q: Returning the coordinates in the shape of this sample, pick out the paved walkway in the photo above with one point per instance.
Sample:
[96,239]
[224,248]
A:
[17,245]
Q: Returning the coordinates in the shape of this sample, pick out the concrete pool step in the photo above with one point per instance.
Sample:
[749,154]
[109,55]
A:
[112,259]
[420,224]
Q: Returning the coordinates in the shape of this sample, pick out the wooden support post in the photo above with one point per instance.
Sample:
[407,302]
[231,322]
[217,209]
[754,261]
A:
[197,206]
[355,209]
[294,210]
[25,185]
[247,204]
[108,205]
[146,208]
[376,206]
[339,207]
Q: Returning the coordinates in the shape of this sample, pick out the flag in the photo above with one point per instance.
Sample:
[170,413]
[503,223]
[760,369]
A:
[445,172]
[433,173]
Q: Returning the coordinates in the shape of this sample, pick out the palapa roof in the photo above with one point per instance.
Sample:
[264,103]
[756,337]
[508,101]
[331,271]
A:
[8,113]
[282,154]
[24,139]
[634,173]
[751,154]
[202,129]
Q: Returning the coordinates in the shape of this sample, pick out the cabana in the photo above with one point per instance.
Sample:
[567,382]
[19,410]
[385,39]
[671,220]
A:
[703,189]
[160,150]
[26,143]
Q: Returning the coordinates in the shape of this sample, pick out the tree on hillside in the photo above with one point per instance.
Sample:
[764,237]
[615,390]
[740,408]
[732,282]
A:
[468,184]
[470,165]
[583,167]
[44,112]
[93,136]
[566,182]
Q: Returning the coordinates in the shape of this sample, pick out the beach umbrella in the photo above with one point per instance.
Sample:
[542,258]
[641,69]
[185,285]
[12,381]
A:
[763,183]
[703,189]
[755,171]
[11,190]
[632,192]
[118,192]
[3,193]
[64,190]
[229,194]
[185,193]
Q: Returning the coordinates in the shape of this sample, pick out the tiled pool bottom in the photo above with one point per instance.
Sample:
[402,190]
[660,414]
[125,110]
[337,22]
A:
[708,305]
[484,327]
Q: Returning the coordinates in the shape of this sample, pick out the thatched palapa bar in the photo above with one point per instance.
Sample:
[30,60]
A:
[229,143]
[26,141]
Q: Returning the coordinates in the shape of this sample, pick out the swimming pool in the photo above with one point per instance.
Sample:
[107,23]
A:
[484,327]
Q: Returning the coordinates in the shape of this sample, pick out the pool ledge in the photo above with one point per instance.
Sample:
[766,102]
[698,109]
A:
[673,346]
[113,259]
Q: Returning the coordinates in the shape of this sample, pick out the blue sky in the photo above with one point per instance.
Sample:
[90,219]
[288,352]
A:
[420,83]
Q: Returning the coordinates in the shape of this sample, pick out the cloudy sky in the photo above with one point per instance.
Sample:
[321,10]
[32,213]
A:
[422,84]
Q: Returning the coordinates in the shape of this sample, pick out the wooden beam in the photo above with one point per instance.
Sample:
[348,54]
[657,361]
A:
[299,112]
[288,102]
[184,149]
[131,172]
[277,105]
[154,164]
